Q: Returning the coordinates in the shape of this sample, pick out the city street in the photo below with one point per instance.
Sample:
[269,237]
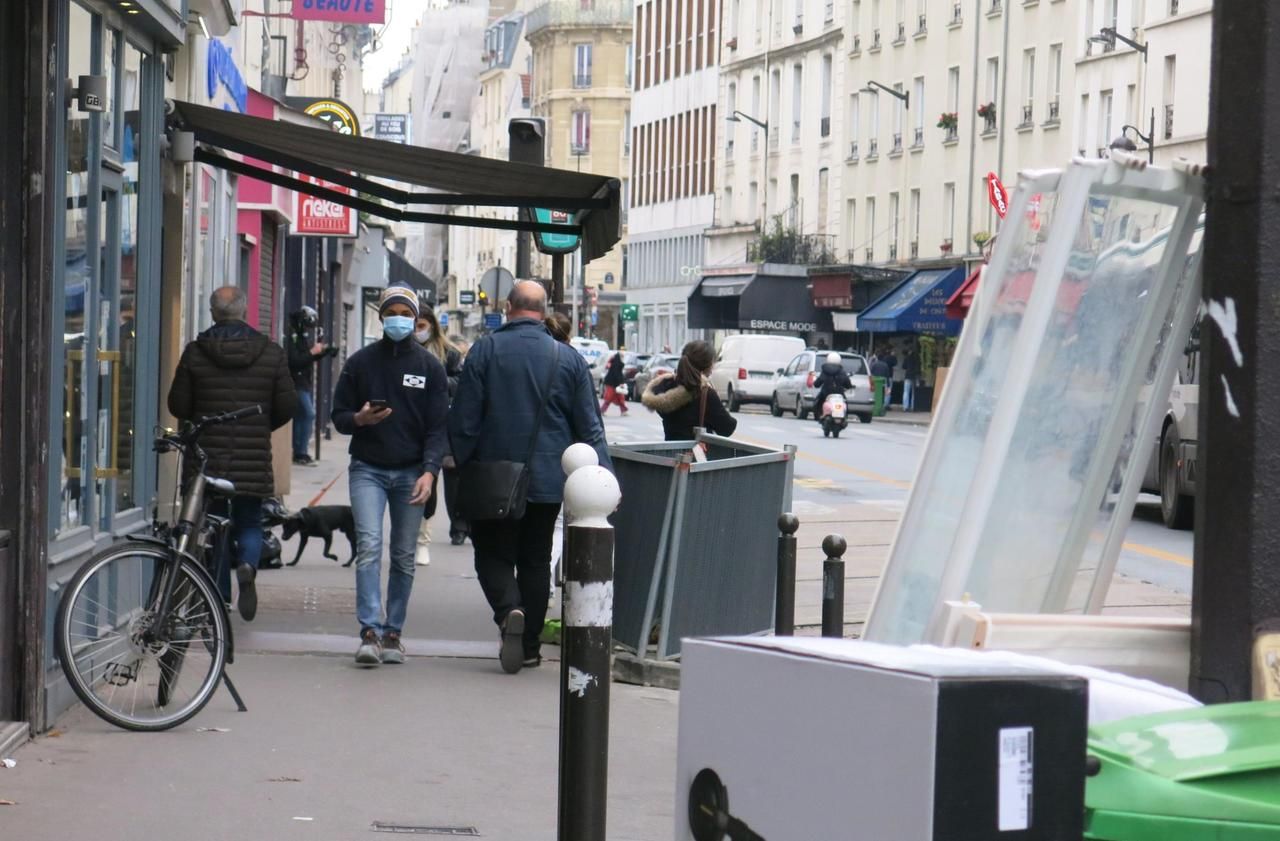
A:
[873,465]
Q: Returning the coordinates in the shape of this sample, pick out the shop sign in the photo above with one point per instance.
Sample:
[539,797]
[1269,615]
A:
[630,312]
[316,216]
[998,195]
[788,326]
[341,11]
[466,297]
[391,127]
[334,112]
[221,72]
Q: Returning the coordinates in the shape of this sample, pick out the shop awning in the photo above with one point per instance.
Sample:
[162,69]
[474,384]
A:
[917,305]
[448,178]
[958,304]
[769,298]
[400,272]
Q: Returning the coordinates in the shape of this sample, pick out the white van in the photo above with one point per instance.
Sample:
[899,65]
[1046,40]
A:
[746,366]
[596,353]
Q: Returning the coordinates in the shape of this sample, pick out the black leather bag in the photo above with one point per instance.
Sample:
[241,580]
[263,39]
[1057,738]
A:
[498,490]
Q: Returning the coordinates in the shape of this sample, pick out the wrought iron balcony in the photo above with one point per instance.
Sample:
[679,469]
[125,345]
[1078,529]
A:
[1168,122]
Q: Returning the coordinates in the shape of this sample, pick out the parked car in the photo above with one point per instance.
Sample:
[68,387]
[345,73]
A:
[794,390]
[631,365]
[1172,467]
[659,363]
[747,365]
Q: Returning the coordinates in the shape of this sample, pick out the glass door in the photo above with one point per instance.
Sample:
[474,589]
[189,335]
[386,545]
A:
[107,353]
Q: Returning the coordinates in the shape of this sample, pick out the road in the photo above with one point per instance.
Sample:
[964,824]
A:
[875,464]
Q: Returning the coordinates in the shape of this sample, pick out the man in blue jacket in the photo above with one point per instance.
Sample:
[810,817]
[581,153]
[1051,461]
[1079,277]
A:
[392,399]
[493,414]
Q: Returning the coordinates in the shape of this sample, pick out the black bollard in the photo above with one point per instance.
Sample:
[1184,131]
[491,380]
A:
[833,586]
[584,676]
[784,616]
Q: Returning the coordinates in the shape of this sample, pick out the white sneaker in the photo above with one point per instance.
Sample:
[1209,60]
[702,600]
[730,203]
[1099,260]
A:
[423,556]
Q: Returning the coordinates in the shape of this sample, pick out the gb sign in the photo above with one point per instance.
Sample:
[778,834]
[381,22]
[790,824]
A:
[319,216]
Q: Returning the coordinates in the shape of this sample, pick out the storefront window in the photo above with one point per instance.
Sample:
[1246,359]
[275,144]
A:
[77,280]
[110,61]
[126,339]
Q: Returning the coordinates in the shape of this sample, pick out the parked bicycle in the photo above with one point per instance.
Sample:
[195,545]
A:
[143,634]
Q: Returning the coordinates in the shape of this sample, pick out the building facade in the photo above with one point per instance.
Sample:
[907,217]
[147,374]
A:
[581,87]
[675,125]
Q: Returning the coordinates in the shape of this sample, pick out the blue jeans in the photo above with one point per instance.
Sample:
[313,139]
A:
[373,490]
[909,394]
[245,535]
[304,418]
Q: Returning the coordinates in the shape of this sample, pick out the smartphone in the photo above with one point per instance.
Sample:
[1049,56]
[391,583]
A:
[378,404]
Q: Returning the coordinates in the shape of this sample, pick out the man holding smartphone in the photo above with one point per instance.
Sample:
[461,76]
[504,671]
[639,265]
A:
[392,399]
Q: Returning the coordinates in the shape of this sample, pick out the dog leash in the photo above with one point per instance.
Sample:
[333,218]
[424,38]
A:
[326,488]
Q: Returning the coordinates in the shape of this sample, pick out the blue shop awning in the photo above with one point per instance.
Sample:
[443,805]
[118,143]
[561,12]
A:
[917,305]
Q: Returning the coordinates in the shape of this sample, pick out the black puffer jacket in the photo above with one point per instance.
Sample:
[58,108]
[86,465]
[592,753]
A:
[679,409]
[230,366]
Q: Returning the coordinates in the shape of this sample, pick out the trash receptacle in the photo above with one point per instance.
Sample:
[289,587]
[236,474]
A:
[1189,775]
[695,542]
[877,408]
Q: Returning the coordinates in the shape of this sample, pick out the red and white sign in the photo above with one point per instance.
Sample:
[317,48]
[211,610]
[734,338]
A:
[341,11]
[316,216]
[998,195]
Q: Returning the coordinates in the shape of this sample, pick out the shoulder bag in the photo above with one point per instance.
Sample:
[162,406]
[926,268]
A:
[700,449]
[498,490]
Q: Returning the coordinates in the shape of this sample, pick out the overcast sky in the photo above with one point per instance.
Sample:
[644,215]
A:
[394,39]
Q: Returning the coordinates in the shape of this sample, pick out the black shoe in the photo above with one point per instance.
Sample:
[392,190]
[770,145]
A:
[511,653]
[304,461]
[457,539]
[271,564]
[532,661]
[247,603]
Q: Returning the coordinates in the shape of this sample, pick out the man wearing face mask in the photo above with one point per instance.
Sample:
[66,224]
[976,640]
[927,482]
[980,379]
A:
[392,399]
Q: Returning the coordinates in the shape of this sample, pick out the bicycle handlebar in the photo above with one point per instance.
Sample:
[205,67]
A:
[189,437]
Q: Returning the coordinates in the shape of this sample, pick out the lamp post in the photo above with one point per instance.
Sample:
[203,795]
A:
[905,96]
[763,125]
[1125,144]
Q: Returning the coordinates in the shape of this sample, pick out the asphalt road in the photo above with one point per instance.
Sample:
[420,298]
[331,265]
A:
[875,464]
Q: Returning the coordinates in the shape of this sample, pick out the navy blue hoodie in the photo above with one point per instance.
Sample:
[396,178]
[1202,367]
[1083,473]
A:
[413,383]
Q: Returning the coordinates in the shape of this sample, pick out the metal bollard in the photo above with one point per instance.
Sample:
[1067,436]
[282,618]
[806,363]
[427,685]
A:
[833,586]
[784,616]
[591,494]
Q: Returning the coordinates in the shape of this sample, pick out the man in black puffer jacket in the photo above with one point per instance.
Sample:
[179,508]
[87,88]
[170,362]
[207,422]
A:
[231,366]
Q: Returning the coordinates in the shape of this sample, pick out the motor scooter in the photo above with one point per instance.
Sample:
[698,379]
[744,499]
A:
[835,415]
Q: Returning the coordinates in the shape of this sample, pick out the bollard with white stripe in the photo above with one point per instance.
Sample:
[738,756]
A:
[591,493]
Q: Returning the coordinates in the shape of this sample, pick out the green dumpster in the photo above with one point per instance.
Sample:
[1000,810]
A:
[1189,775]
[877,408]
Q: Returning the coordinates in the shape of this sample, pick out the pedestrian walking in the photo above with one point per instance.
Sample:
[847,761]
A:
[685,399]
[522,399]
[392,399]
[890,359]
[613,379]
[910,376]
[427,332]
[228,367]
[304,353]
[560,327]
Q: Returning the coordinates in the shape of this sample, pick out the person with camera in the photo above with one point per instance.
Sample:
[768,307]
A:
[304,353]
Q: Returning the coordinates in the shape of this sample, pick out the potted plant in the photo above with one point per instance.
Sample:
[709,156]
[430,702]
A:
[949,120]
[981,238]
[987,111]
[945,248]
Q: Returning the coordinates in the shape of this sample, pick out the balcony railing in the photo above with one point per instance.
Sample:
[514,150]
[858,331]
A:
[795,131]
[728,148]
[917,139]
[996,7]
[755,142]
[952,135]
[902,33]
[1104,151]
[1168,122]
[989,124]
[1173,7]
[1053,111]
[914,249]
[579,149]
[872,148]
[824,127]
[893,251]
[853,150]
[921,27]
[582,80]
[829,12]
[897,143]
[957,13]
[870,254]
[773,138]
[875,39]
[857,43]
[1027,112]
[798,25]
[788,246]
[579,13]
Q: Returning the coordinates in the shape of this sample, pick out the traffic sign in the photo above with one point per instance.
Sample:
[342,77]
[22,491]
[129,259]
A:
[497,283]
[466,297]
[444,319]
[630,312]
[493,320]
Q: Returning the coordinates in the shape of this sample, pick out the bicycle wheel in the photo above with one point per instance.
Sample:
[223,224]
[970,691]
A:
[125,670]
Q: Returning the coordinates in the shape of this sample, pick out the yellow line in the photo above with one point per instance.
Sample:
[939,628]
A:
[1157,553]
[1137,548]
[861,474]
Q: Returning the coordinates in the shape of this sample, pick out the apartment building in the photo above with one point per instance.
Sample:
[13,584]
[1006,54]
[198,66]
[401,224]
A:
[674,135]
[581,86]
[1155,88]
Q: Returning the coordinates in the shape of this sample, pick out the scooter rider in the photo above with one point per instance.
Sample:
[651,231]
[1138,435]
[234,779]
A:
[832,379]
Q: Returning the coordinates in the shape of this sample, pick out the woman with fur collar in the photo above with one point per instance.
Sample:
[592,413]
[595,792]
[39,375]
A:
[686,399]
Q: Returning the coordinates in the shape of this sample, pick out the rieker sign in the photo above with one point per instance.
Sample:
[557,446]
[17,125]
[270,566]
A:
[315,216]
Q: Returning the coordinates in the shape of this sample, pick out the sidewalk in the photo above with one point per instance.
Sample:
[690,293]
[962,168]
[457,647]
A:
[895,415]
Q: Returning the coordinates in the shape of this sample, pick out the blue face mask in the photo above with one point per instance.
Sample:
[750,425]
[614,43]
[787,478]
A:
[397,327]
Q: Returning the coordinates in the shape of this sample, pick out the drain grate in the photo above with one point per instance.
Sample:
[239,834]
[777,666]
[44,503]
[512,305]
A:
[407,829]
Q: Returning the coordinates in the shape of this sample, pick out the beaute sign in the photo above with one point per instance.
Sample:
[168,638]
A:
[342,11]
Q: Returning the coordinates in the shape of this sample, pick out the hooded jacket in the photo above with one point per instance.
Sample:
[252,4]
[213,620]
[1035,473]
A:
[228,367]
[832,378]
[679,409]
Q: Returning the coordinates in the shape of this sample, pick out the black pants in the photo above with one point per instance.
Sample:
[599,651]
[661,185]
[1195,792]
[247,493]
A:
[513,562]
[457,525]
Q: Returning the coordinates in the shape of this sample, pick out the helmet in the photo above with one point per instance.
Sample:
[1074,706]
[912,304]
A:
[305,317]
[833,358]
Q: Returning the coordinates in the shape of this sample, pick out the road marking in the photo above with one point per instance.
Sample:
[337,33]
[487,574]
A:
[826,462]
[814,482]
[1152,552]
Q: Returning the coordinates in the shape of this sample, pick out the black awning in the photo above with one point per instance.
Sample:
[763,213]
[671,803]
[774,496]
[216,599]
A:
[766,301]
[461,180]
[400,272]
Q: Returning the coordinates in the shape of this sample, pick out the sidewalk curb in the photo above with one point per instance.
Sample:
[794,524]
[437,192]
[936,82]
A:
[906,420]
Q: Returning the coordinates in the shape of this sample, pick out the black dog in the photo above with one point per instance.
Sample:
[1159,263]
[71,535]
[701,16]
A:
[322,521]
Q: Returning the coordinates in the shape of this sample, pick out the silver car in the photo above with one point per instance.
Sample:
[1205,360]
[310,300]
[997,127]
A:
[794,390]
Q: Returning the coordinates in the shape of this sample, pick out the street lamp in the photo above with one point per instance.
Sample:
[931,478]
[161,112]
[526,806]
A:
[1108,36]
[905,96]
[1124,144]
[737,117]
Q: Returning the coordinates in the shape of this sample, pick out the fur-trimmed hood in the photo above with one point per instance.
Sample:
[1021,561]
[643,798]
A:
[664,395]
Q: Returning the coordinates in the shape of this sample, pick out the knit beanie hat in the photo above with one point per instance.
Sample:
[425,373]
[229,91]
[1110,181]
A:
[398,295]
